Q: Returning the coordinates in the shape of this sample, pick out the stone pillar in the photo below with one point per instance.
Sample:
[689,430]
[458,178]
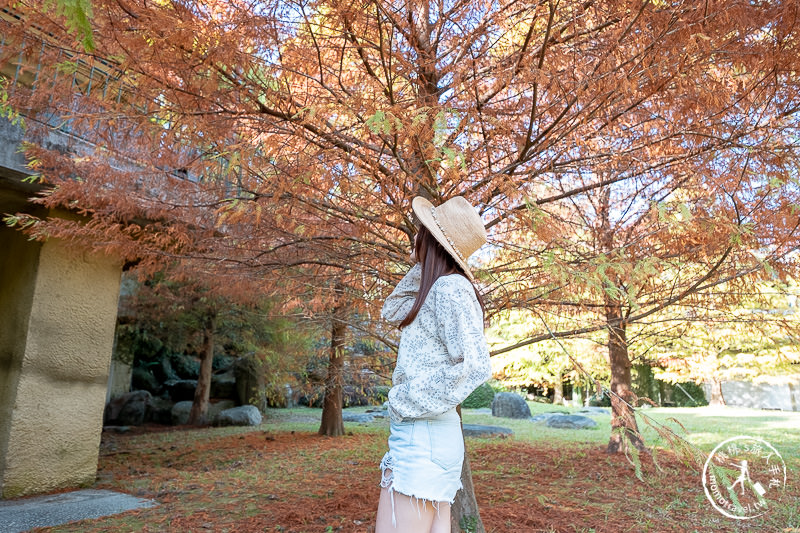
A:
[58,308]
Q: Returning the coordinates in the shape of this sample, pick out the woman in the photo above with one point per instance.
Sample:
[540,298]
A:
[441,359]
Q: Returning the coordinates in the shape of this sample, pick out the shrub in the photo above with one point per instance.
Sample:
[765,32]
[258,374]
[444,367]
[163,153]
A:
[480,397]
[603,400]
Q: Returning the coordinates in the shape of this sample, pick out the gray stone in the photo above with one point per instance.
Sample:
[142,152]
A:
[129,409]
[143,379]
[160,411]
[186,366]
[592,410]
[180,413]
[167,371]
[541,417]
[510,405]
[482,411]
[224,385]
[56,509]
[217,407]
[244,415]
[570,422]
[181,390]
[477,430]
[358,417]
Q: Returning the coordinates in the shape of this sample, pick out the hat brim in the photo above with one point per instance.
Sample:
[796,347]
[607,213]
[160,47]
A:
[423,210]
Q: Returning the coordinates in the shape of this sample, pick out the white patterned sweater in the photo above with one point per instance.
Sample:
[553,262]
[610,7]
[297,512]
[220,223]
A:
[443,355]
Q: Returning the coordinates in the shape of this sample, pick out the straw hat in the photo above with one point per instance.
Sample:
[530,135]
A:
[455,224]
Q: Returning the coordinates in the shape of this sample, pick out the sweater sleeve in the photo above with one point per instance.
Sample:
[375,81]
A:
[459,324]
[399,303]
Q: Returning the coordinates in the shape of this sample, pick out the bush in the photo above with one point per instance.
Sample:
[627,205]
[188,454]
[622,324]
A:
[480,397]
[692,389]
[603,400]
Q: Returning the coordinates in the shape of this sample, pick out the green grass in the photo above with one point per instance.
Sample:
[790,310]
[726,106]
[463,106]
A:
[704,427]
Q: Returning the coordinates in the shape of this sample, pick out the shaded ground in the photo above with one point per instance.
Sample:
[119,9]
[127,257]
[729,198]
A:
[292,481]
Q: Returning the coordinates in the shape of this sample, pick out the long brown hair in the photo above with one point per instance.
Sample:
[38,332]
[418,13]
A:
[436,262]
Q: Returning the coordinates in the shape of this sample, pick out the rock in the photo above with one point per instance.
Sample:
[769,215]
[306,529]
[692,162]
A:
[181,390]
[592,410]
[482,411]
[186,366]
[117,429]
[244,415]
[510,405]
[545,416]
[358,417]
[217,407]
[130,409]
[180,413]
[143,379]
[160,411]
[224,385]
[250,387]
[477,430]
[570,422]
[167,371]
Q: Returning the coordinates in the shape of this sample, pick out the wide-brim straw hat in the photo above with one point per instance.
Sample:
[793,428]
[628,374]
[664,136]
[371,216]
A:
[455,224]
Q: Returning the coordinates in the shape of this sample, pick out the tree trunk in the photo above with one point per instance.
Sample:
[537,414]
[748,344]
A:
[716,393]
[203,390]
[332,424]
[465,508]
[623,421]
[558,390]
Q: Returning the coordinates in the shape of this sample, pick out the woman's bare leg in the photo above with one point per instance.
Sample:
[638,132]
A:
[441,519]
[412,515]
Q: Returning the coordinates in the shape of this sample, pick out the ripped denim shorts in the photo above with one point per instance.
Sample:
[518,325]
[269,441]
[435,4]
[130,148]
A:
[425,458]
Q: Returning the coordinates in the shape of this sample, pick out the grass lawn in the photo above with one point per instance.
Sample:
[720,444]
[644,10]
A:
[283,477]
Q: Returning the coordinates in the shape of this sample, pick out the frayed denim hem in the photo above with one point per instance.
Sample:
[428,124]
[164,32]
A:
[387,482]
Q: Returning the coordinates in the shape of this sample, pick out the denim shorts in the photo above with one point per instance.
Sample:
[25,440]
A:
[425,458]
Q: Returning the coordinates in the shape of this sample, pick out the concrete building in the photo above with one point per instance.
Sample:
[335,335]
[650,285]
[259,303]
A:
[780,393]
[58,307]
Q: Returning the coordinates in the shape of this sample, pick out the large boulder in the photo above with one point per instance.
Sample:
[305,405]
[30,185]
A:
[244,415]
[593,410]
[181,390]
[143,379]
[361,418]
[224,385]
[570,422]
[217,407]
[476,430]
[250,387]
[510,405]
[186,366]
[160,411]
[129,409]
[180,413]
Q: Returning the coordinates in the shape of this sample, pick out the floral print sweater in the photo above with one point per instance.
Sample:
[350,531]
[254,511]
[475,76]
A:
[443,355]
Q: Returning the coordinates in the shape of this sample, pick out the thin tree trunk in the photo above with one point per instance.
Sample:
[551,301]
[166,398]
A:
[203,390]
[624,429]
[558,388]
[331,423]
[717,397]
[465,507]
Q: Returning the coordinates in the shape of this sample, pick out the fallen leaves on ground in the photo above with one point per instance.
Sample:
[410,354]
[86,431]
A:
[301,482]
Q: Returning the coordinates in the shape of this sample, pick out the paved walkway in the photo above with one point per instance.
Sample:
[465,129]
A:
[55,509]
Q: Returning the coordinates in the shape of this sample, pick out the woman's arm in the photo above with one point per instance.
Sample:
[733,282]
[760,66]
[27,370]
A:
[399,303]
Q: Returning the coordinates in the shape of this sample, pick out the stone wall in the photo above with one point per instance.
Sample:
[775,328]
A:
[58,314]
[778,392]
